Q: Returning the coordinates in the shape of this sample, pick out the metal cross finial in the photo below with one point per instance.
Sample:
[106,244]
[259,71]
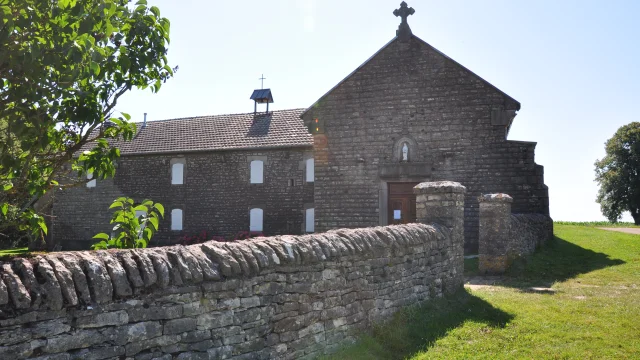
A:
[404,31]
[262,79]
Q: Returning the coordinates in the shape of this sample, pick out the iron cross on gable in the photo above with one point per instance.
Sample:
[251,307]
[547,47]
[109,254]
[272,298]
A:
[404,31]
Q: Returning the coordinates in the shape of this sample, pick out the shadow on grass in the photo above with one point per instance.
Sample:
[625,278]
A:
[557,261]
[418,327]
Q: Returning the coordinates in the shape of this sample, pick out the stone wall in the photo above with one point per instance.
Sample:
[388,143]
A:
[283,297]
[529,232]
[216,195]
[410,92]
[505,236]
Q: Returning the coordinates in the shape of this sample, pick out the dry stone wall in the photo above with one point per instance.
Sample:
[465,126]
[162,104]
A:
[505,236]
[283,297]
[529,231]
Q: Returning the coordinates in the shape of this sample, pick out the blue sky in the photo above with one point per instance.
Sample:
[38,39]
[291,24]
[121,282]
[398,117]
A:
[573,65]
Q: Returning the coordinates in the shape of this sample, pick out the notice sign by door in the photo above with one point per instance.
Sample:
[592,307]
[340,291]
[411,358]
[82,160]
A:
[397,214]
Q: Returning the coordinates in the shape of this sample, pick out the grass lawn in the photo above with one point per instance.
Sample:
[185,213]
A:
[593,311]
[13,252]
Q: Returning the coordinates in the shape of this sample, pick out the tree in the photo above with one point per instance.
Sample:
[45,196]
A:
[134,224]
[63,66]
[618,174]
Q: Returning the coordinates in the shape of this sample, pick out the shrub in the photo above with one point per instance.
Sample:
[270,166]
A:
[134,224]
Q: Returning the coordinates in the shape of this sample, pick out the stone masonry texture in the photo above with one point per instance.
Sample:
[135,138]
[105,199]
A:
[411,90]
[505,236]
[216,195]
[282,297]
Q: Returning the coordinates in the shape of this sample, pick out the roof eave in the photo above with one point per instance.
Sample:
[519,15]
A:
[243,148]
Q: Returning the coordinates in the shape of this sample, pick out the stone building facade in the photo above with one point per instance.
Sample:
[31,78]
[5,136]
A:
[409,114]
[216,195]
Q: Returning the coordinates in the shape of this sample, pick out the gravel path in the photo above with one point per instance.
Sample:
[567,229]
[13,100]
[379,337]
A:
[635,231]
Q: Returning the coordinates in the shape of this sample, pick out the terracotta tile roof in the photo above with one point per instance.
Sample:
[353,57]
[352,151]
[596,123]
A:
[282,128]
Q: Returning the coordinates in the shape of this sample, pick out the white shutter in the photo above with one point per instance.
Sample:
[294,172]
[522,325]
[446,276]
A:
[310,170]
[255,219]
[177,174]
[176,219]
[257,172]
[310,218]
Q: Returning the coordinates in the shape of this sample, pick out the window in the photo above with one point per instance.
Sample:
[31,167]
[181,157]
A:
[292,182]
[257,172]
[139,213]
[255,219]
[176,219]
[177,174]
[310,176]
[92,183]
[310,220]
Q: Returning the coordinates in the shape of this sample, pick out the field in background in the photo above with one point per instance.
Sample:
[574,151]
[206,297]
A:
[577,298]
[596,223]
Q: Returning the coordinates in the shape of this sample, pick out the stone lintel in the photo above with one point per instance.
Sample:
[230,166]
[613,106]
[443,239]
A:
[404,170]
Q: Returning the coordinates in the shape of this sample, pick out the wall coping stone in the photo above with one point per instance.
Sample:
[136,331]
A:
[439,187]
[85,278]
[499,197]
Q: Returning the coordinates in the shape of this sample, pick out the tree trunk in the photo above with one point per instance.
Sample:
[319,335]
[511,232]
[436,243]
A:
[635,214]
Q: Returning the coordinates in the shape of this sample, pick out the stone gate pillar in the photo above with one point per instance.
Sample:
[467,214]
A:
[442,203]
[493,240]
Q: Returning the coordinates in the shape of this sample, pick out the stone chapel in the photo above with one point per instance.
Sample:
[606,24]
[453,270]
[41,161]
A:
[408,114]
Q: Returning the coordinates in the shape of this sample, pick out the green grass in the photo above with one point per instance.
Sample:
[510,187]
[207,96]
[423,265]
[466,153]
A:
[8,253]
[596,223]
[593,313]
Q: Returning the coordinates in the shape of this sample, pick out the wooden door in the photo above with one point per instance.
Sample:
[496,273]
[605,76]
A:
[402,203]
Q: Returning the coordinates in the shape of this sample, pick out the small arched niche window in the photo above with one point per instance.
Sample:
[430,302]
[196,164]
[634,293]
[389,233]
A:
[255,219]
[177,174]
[257,174]
[176,219]
[404,152]
[310,170]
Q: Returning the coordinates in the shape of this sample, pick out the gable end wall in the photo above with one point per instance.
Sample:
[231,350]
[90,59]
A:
[409,89]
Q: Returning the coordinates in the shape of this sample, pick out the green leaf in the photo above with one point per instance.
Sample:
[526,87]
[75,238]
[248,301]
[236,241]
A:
[154,221]
[102,236]
[116,204]
[155,11]
[43,225]
[4,208]
[160,208]
[148,233]
[95,68]
[141,208]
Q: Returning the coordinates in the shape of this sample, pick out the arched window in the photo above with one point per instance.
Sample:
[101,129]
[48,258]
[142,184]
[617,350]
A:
[255,219]
[309,220]
[91,183]
[310,167]
[257,176]
[176,219]
[177,174]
